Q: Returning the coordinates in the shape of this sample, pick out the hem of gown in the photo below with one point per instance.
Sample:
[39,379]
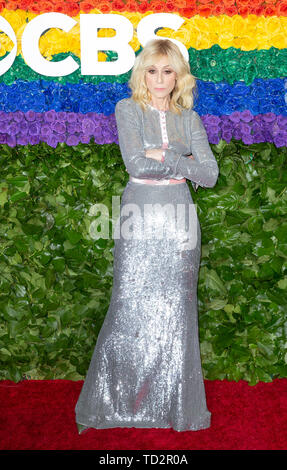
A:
[203,423]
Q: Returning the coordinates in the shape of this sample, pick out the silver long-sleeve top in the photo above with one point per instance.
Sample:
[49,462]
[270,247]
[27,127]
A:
[140,130]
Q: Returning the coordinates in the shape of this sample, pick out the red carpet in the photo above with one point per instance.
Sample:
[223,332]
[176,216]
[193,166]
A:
[40,415]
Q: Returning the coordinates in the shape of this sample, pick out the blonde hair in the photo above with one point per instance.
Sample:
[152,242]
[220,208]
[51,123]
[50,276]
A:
[182,96]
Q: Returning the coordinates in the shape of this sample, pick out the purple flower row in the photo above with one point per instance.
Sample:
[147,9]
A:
[53,127]
[245,126]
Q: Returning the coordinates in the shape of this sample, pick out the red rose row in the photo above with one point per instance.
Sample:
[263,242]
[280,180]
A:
[186,8]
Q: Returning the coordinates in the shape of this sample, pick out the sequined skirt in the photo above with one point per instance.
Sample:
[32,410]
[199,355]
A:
[145,370]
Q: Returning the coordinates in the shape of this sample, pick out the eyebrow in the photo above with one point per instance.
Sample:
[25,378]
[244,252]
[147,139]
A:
[162,67]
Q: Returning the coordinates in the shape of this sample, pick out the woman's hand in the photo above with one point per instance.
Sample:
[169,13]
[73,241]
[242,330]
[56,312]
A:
[156,154]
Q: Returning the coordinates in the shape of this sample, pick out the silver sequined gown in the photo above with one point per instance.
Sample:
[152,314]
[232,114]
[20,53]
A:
[145,371]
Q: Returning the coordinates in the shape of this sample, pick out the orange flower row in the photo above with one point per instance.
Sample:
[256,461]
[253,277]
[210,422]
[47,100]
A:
[186,8]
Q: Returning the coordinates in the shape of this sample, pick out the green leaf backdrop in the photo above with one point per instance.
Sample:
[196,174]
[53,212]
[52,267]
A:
[56,279]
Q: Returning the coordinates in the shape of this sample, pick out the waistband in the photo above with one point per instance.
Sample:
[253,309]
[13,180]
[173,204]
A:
[153,181]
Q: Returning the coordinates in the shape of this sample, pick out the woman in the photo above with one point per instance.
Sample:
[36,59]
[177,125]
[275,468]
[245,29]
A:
[146,367]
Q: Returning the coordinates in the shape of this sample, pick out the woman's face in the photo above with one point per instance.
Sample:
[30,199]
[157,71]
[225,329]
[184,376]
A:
[160,78]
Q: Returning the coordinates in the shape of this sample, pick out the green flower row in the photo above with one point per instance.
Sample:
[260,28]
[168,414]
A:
[214,64]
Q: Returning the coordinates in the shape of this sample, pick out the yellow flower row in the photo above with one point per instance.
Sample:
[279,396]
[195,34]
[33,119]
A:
[253,32]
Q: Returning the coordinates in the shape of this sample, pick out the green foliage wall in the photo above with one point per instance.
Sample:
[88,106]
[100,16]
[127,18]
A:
[56,280]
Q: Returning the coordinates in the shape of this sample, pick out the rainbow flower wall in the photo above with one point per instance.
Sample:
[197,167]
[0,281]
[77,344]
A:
[60,155]
[237,51]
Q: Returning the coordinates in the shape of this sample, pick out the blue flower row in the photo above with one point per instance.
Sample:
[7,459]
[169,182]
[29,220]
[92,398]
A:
[262,96]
